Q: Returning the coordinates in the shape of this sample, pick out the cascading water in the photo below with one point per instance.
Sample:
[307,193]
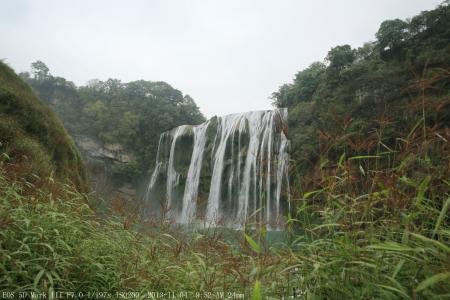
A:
[227,171]
[173,176]
[193,176]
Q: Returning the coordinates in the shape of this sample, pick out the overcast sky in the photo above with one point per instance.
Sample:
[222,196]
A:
[229,55]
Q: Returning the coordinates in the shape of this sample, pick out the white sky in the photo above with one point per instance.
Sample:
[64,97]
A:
[229,55]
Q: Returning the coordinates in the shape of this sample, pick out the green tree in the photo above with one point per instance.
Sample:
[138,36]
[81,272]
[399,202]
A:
[391,36]
[40,70]
[346,98]
[132,114]
[340,57]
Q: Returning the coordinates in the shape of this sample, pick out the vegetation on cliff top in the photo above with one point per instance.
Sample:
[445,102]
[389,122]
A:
[33,142]
[356,95]
[132,114]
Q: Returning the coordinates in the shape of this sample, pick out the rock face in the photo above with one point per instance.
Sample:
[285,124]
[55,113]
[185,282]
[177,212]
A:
[227,171]
[95,149]
[101,159]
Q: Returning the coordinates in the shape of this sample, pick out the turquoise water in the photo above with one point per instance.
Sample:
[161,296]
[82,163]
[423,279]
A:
[269,239]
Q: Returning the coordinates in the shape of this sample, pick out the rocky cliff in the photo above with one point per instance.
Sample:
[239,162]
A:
[103,160]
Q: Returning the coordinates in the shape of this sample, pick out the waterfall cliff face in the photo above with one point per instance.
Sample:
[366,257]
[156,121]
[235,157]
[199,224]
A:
[227,171]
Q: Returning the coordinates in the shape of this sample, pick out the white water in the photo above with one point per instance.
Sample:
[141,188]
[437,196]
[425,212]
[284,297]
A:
[225,128]
[172,175]
[244,158]
[193,177]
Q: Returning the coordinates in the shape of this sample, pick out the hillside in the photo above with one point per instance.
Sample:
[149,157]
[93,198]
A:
[362,101]
[116,125]
[33,142]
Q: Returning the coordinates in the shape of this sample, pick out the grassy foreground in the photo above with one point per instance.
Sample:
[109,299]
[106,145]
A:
[389,243]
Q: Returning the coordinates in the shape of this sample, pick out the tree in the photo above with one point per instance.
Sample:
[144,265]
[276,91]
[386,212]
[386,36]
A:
[391,35]
[40,70]
[132,114]
[347,97]
[340,57]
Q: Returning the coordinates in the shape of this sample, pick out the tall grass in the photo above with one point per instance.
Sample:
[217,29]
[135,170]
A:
[376,220]
[391,242]
[51,240]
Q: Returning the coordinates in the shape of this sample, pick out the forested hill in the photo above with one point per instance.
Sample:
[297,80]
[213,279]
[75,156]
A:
[33,142]
[359,101]
[132,114]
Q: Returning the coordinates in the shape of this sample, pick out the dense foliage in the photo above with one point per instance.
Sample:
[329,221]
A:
[132,114]
[370,149]
[357,94]
[32,137]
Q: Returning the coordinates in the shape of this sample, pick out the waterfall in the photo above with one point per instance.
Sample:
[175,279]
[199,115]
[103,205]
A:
[172,176]
[228,171]
[193,177]
[225,128]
